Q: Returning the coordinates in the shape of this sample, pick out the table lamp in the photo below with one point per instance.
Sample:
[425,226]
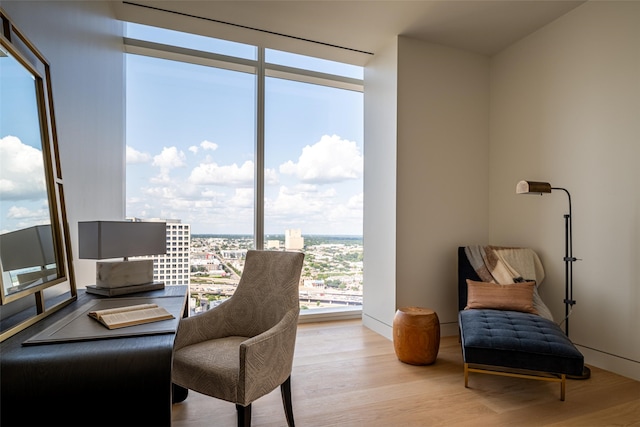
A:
[122,239]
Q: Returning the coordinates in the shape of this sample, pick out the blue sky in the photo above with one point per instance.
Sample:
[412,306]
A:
[190,150]
[23,197]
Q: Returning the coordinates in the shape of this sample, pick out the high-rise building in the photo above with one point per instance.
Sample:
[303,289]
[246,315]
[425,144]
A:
[293,240]
[173,268]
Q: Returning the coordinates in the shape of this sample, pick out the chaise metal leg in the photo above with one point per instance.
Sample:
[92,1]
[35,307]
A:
[541,376]
[466,375]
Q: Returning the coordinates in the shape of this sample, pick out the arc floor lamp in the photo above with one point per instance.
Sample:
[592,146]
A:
[535,187]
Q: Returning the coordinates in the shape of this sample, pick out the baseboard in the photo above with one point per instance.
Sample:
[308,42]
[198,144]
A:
[610,362]
[377,326]
[449,329]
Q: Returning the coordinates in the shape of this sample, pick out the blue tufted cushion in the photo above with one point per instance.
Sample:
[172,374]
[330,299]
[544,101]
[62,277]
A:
[517,340]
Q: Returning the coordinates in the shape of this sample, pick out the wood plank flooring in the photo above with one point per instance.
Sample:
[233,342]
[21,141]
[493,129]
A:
[347,375]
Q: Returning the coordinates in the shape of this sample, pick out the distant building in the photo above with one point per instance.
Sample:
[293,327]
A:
[233,253]
[173,268]
[293,240]
[273,244]
[205,260]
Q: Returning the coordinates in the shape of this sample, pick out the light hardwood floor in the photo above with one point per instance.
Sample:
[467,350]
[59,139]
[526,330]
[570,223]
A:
[347,375]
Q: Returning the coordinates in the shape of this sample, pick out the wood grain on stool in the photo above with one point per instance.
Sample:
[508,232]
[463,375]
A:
[416,335]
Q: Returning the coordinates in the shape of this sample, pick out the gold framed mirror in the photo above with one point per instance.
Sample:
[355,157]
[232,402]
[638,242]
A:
[35,250]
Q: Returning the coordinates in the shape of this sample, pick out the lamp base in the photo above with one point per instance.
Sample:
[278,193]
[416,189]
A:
[586,374]
[117,274]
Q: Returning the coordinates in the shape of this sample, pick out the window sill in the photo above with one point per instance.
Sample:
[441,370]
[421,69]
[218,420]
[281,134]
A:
[330,314]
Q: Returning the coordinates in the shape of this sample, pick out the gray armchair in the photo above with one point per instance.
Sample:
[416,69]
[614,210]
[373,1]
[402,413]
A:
[243,349]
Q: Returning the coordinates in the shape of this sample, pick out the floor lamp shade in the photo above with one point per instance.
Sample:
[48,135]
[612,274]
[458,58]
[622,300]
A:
[122,239]
[533,187]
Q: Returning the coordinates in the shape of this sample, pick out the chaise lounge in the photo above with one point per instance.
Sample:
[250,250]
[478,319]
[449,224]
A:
[510,342]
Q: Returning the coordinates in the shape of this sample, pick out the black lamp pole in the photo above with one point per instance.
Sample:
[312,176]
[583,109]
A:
[569,259]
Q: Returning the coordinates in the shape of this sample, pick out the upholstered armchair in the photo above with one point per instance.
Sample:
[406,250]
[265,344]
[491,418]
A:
[243,349]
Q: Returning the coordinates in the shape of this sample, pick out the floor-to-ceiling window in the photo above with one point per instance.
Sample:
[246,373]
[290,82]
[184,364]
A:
[250,147]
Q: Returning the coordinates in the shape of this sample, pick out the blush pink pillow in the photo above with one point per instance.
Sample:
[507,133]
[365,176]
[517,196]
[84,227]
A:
[514,296]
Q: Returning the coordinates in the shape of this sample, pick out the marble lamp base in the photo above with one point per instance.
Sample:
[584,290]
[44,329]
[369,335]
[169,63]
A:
[117,274]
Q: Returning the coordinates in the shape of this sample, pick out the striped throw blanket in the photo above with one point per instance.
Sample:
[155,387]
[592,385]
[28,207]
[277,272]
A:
[506,265]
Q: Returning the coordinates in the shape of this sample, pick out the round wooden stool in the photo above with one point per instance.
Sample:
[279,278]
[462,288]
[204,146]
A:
[416,335]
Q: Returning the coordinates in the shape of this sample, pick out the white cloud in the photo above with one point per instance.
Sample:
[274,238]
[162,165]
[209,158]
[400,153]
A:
[21,212]
[134,156]
[293,201]
[169,158]
[270,176]
[218,197]
[205,145]
[230,175]
[208,145]
[21,170]
[356,202]
[161,192]
[314,211]
[211,194]
[242,198]
[350,212]
[331,159]
[22,217]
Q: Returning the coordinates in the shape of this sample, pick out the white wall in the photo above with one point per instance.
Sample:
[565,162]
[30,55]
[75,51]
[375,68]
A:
[426,189]
[565,109]
[442,190]
[380,135]
[83,44]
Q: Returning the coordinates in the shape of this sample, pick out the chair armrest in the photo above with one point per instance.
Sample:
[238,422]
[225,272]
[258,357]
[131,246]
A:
[202,327]
[266,360]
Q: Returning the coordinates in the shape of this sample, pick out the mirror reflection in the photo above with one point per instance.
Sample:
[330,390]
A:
[27,254]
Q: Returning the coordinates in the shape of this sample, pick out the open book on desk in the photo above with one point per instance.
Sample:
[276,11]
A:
[114,318]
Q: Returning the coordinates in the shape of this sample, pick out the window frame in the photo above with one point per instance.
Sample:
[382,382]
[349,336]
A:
[261,70]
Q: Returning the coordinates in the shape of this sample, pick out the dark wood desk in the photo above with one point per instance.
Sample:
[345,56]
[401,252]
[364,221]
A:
[107,382]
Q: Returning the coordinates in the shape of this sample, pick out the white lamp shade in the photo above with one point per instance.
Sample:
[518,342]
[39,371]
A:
[117,239]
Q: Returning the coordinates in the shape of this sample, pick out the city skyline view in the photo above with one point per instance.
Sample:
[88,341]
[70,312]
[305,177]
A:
[332,276]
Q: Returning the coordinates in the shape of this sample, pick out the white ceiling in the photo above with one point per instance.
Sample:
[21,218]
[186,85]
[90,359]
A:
[480,26]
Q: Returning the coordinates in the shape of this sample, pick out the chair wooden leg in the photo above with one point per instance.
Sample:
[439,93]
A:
[244,415]
[285,390]
[178,393]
